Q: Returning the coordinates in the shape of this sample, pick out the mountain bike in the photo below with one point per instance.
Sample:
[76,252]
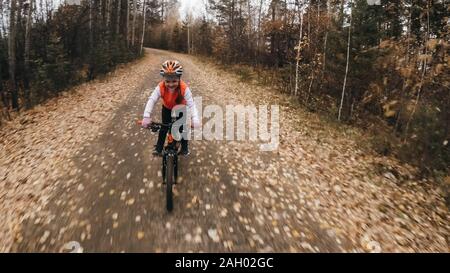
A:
[169,161]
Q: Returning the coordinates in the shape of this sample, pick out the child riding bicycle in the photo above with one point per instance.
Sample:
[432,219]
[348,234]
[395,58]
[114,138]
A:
[173,91]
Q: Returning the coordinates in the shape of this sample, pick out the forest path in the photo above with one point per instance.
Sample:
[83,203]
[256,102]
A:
[79,169]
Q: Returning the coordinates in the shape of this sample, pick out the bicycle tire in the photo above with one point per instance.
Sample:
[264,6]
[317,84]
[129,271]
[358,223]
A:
[175,170]
[169,182]
[164,169]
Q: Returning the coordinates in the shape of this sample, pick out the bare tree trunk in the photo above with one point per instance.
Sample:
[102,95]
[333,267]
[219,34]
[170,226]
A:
[12,54]
[188,25]
[133,31]
[107,11]
[102,11]
[192,41]
[327,29]
[119,5]
[3,111]
[309,88]
[48,13]
[249,24]
[259,24]
[258,39]
[341,15]
[41,8]
[318,10]
[2,28]
[348,61]
[298,53]
[128,23]
[93,17]
[424,69]
[162,9]
[272,35]
[4,31]
[402,96]
[91,30]
[143,28]
[309,26]
[326,37]
[27,54]
[316,31]
[233,29]
[188,40]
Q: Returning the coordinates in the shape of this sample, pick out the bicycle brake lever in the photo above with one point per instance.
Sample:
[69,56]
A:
[154,128]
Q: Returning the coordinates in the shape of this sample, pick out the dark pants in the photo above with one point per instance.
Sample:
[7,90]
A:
[167,118]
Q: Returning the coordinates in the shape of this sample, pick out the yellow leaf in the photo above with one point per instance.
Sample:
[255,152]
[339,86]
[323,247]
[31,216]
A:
[431,44]
[405,72]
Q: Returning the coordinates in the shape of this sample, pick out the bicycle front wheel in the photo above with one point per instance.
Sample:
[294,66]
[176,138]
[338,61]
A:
[169,182]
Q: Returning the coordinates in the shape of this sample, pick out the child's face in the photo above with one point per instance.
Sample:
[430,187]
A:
[171,83]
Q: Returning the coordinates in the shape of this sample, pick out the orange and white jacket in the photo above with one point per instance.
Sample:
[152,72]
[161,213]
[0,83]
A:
[168,99]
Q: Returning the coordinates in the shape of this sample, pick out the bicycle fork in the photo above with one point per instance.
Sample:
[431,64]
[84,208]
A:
[175,166]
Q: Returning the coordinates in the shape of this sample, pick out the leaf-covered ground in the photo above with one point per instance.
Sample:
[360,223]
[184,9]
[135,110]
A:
[79,169]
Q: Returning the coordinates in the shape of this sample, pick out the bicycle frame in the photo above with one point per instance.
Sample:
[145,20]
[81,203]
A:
[169,160]
[170,150]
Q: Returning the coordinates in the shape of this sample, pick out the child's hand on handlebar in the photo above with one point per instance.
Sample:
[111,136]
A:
[146,122]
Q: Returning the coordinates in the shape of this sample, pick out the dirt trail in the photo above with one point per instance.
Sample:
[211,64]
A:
[96,182]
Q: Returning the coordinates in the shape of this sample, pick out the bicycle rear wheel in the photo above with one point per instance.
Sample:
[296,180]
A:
[169,182]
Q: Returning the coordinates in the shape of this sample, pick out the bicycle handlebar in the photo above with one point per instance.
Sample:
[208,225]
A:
[160,124]
[155,126]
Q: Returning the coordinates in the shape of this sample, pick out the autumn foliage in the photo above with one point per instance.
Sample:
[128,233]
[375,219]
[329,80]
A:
[383,67]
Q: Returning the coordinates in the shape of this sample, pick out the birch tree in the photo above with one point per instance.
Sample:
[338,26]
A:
[119,6]
[348,60]
[127,25]
[143,26]
[12,54]
[133,31]
[27,53]
[299,47]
